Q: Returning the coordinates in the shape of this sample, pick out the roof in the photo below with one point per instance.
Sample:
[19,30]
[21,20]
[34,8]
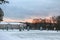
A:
[10,23]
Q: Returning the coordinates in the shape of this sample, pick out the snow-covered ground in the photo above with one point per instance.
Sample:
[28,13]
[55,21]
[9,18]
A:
[29,35]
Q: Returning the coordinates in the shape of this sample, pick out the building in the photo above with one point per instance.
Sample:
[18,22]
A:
[11,25]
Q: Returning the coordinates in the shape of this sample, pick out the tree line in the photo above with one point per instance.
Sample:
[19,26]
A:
[49,25]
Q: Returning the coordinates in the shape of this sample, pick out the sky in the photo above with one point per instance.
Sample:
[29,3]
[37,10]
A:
[25,9]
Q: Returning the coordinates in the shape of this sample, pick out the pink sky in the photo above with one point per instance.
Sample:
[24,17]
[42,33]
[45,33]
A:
[10,20]
[16,20]
[25,20]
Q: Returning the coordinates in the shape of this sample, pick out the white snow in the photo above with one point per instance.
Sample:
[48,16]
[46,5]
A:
[29,35]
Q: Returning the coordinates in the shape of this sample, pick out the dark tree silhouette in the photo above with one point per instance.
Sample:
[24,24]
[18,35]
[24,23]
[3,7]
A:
[1,15]
[58,22]
[1,12]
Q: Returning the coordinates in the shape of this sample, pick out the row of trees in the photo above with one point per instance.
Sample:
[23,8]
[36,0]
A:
[42,24]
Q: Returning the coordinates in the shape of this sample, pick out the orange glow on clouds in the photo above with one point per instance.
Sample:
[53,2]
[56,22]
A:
[16,20]
[48,19]
[10,20]
[28,20]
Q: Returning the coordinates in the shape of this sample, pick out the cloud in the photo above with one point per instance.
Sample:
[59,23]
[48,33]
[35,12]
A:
[22,9]
[11,20]
[16,20]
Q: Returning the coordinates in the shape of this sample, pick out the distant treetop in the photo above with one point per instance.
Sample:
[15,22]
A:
[3,1]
